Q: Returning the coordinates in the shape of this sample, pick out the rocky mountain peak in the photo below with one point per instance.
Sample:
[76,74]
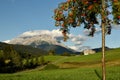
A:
[43,39]
[37,37]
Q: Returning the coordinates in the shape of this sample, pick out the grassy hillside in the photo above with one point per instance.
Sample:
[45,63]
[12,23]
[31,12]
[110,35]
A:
[112,58]
[73,68]
[64,74]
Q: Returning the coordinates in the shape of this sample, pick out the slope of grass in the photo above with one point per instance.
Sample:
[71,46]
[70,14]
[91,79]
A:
[83,72]
[110,55]
[64,74]
[112,58]
[53,58]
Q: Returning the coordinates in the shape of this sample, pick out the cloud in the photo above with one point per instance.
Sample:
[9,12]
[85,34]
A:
[77,39]
[87,31]
[7,41]
[98,30]
[80,48]
[56,34]
[114,26]
[41,32]
[74,48]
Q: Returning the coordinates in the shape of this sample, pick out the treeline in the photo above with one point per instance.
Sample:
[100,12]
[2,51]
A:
[52,52]
[24,50]
[11,61]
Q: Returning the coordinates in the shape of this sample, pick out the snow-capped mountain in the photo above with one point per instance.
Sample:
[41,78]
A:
[43,39]
[38,36]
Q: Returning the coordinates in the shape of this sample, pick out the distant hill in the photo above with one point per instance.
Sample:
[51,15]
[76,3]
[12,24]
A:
[57,48]
[23,50]
[100,49]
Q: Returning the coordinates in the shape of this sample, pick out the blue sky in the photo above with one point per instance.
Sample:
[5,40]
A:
[18,16]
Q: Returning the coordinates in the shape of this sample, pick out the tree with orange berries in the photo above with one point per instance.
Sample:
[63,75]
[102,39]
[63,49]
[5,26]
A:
[73,13]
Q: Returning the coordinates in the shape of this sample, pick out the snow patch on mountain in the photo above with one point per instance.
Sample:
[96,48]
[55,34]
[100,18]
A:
[38,36]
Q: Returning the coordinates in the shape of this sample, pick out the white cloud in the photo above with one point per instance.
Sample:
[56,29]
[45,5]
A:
[87,31]
[54,33]
[84,47]
[7,41]
[57,34]
[114,26]
[77,39]
[74,48]
[98,30]
[79,48]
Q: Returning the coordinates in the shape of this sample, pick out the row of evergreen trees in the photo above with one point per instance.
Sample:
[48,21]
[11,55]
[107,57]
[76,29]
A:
[11,61]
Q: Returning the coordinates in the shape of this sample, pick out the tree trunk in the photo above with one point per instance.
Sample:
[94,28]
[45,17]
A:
[103,41]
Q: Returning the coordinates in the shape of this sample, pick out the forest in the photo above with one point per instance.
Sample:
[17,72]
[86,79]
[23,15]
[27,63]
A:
[13,60]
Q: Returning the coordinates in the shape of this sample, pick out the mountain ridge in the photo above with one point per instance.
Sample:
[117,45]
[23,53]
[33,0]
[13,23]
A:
[24,49]
[43,40]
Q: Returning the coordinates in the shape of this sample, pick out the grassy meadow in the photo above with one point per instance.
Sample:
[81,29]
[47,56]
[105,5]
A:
[78,67]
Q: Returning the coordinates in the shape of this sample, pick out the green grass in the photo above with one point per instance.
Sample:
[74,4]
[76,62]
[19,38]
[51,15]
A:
[113,73]
[53,58]
[112,58]
[110,55]
[74,68]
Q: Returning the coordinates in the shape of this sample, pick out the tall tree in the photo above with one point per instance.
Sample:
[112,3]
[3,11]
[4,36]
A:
[73,13]
[11,57]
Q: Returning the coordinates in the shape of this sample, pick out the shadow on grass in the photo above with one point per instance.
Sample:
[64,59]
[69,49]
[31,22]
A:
[98,75]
